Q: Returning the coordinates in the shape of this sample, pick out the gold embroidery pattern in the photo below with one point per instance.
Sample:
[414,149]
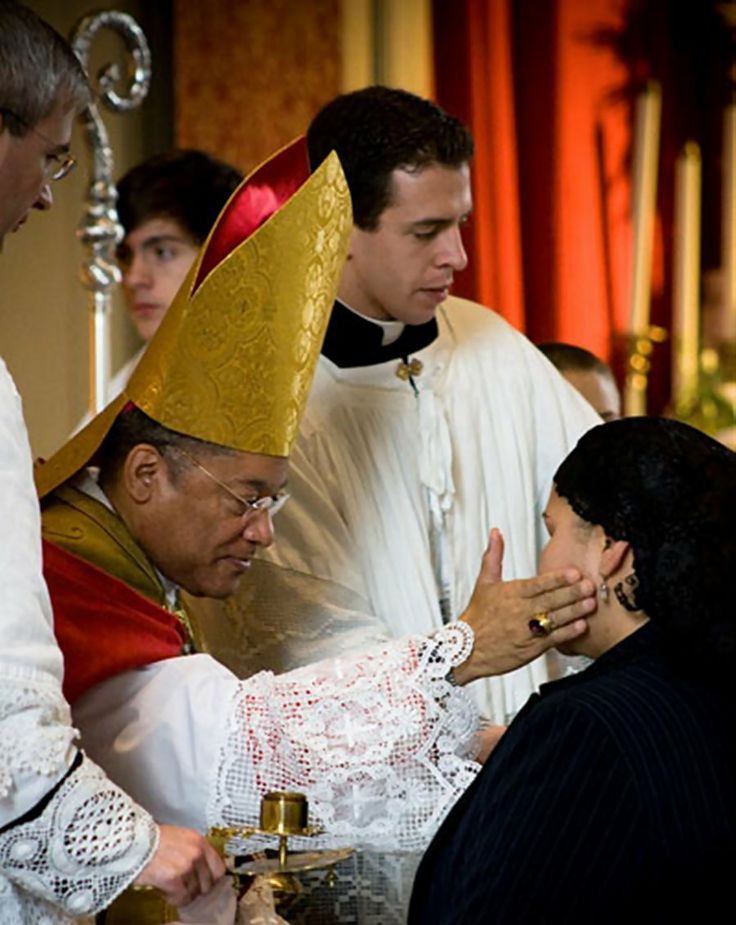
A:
[233,363]
[239,364]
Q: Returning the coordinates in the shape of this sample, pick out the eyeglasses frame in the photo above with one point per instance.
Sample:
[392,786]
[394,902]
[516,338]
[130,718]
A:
[65,162]
[271,504]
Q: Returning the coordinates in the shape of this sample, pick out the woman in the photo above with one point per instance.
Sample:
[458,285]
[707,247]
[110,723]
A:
[611,798]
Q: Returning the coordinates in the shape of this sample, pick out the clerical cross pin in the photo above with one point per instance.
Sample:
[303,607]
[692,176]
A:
[408,370]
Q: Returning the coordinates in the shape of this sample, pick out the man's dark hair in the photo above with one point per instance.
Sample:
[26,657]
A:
[190,187]
[378,130]
[37,69]
[569,357]
[133,427]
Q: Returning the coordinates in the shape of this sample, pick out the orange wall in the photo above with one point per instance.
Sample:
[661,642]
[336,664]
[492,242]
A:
[249,76]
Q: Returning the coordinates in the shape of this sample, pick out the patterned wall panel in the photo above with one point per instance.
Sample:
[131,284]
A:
[250,74]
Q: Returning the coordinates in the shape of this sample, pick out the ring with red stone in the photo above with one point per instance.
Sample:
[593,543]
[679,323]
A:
[541,624]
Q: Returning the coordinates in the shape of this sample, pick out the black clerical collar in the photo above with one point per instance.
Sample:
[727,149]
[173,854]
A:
[353,340]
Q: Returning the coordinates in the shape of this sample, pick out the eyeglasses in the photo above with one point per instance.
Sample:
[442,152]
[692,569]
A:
[57,165]
[251,506]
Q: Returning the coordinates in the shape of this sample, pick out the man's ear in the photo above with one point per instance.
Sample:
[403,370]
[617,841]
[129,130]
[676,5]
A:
[612,558]
[142,473]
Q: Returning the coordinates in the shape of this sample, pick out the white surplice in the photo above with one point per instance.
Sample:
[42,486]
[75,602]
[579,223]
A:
[380,742]
[90,840]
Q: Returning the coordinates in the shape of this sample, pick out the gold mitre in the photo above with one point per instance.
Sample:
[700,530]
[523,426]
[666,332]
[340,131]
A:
[234,357]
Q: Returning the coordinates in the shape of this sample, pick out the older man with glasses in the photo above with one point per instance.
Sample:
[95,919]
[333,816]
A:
[59,162]
[33,156]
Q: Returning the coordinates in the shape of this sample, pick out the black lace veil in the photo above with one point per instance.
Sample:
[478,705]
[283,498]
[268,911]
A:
[670,491]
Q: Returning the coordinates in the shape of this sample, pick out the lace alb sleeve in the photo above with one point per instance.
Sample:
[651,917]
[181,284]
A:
[36,733]
[379,742]
[87,845]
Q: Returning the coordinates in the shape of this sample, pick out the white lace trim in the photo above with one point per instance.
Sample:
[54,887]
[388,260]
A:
[378,742]
[89,843]
[19,908]
[36,730]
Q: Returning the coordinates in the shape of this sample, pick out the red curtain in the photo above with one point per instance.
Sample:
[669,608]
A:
[499,271]
[550,237]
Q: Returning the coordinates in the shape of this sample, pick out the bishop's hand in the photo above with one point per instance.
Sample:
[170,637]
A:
[499,613]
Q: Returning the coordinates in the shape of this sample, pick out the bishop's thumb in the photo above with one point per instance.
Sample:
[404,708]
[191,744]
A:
[491,569]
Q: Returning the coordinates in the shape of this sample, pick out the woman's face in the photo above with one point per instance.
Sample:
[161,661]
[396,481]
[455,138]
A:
[572,542]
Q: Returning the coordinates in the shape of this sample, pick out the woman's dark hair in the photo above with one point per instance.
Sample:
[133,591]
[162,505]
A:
[670,492]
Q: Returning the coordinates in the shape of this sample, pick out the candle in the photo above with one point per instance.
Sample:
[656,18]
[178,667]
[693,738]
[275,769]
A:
[686,282]
[644,200]
[728,226]
[643,209]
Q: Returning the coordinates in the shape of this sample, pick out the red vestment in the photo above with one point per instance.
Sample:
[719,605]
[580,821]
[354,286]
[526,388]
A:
[103,626]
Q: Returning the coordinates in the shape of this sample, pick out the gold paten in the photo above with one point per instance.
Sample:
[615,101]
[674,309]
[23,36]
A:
[233,362]
[283,814]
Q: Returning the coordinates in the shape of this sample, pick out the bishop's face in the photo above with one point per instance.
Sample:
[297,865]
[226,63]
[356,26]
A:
[403,270]
[193,528]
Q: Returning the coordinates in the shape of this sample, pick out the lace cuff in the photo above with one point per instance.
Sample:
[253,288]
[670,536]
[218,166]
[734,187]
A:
[37,733]
[87,845]
[377,742]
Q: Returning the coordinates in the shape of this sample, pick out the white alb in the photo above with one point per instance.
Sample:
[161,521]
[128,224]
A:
[91,840]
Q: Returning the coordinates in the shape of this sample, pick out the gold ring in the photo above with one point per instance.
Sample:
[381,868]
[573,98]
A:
[541,624]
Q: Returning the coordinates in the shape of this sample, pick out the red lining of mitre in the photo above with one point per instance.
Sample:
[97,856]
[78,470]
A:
[254,202]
